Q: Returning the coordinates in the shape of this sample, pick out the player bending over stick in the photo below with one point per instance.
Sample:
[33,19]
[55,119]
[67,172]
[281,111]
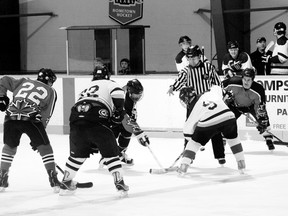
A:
[209,116]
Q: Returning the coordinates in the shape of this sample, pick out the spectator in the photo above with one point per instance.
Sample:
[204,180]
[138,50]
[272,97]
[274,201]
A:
[262,67]
[279,63]
[124,67]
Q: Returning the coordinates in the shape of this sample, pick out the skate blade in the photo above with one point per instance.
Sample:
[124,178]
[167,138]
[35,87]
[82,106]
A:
[56,189]
[123,194]
[241,171]
[2,189]
[66,192]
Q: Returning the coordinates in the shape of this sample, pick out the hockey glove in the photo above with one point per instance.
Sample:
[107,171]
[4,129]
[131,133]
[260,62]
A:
[228,97]
[143,139]
[262,124]
[4,102]
[265,58]
[117,117]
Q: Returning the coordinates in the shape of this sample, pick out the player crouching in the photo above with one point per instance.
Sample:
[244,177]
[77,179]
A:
[209,116]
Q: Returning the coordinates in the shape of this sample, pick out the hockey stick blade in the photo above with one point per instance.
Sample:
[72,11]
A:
[78,185]
[277,142]
[162,171]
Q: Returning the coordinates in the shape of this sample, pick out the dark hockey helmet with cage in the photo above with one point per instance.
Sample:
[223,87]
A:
[280,28]
[135,89]
[101,72]
[46,76]
[248,72]
[187,95]
[194,51]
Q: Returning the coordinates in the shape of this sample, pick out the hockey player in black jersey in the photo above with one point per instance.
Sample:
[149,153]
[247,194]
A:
[123,132]
[248,96]
[180,60]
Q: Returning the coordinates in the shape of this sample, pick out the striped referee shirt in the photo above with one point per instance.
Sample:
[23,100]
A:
[201,78]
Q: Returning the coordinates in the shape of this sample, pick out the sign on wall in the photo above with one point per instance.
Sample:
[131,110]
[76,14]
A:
[276,89]
[125,11]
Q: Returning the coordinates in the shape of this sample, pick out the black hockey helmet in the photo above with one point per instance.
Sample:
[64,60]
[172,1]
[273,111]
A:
[249,72]
[184,38]
[280,28]
[101,72]
[46,76]
[187,95]
[194,51]
[135,89]
[232,45]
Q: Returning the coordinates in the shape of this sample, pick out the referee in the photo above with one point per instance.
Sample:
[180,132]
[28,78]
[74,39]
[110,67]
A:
[201,76]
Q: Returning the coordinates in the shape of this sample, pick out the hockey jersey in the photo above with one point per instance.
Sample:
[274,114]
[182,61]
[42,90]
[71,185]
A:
[244,98]
[208,110]
[30,98]
[242,60]
[279,60]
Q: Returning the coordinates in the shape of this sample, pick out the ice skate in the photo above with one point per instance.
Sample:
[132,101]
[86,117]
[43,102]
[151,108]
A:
[3,180]
[67,188]
[270,145]
[120,185]
[241,166]
[54,182]
[182,170]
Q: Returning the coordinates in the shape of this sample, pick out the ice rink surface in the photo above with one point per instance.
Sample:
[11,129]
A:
[207,189]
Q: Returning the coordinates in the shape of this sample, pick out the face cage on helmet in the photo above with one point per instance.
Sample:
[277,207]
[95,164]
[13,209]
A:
[136,97]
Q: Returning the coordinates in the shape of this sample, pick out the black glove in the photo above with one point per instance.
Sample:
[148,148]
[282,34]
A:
[235,65]
[117,117]
[4,102]
[228,97]
[142,138]
[262,124]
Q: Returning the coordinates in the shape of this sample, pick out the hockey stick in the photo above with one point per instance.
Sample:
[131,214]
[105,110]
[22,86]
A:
[78,185]
[278,142]
[169,169]
[270,44]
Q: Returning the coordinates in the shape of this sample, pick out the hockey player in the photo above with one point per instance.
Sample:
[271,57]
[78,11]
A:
[209,116]
[279,58]
[29,112]
[201,76]
[180,60]
[234,61]
[98,104]
[248,96]
[123,132]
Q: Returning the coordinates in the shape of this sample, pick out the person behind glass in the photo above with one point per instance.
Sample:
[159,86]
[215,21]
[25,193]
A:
[125,67]
[180,60]
[262,67]
[278,60]
[234,62]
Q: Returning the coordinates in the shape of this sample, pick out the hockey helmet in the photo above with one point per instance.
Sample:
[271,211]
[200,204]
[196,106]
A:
[46,76]
[280,28]
[187,95]
[184,38]
[135,89]
[248,72]
[193,52]
[232,45]
[101,72]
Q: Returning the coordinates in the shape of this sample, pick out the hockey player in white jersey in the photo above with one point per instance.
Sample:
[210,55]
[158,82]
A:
[279,58]
[209,116]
